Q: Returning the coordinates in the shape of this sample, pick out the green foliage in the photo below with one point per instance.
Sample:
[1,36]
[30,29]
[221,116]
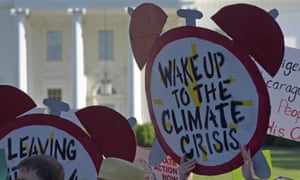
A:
[145,134]
[280,142]
[285,142]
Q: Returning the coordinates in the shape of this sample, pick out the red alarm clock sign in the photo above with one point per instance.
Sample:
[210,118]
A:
[202,100]
[23,134]
[205,97]
[45,134]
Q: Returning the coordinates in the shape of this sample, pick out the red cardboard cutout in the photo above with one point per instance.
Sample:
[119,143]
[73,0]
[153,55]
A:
[145,26]
[110,131]
[13,103]
[255,31]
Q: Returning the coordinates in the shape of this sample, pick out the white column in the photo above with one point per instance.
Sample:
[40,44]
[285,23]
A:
[21,47]
[77,55]
[135,94]
[135,87]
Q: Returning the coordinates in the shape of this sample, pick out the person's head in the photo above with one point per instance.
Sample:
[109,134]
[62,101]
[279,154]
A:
[40,167]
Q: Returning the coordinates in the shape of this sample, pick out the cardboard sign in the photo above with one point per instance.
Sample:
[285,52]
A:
[24,132]
[205,94]
[44,134]
[203,98]
[167,169]
[284,91]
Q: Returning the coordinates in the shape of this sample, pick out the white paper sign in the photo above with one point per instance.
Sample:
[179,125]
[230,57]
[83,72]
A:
[284,91]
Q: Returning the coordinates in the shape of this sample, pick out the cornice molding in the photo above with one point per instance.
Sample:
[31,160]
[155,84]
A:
[89,4]
[260,3]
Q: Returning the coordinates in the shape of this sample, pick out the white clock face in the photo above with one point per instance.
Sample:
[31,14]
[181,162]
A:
[50,135]
[24,142]
[203,100]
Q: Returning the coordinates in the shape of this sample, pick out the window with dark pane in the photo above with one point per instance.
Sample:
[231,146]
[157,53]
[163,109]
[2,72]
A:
[55,93]
[54,45]
[106,45]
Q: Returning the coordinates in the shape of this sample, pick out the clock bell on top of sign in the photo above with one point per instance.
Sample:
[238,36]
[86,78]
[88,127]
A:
[25,132]
[204,91]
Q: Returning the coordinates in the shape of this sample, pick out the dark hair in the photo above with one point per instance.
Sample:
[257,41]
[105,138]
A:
[46,167]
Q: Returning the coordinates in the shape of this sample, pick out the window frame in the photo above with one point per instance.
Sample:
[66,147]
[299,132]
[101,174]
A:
[56,46]
[106,45]
[55,91]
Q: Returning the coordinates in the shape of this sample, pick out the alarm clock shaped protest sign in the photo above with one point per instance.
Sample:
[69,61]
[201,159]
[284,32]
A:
[204,92]
[22,134]
[36,134]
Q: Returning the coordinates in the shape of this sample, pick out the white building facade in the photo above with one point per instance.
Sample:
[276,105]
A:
[78,51]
